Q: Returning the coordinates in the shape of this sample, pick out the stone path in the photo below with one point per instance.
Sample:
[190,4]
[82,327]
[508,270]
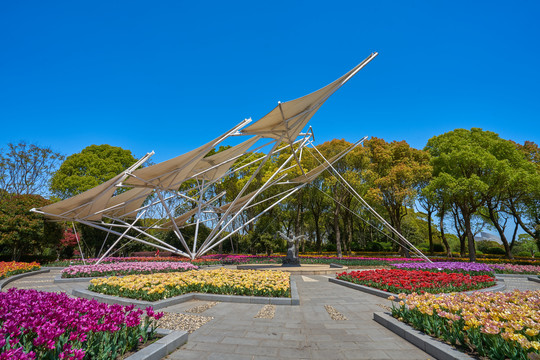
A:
[298,332]
[295,332]
[45,282]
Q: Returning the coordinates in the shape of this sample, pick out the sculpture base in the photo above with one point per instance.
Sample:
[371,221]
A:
[291,264]
[305,269]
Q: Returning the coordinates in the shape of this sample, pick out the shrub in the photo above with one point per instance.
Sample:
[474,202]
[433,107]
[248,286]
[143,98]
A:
[438,248]
[495,251]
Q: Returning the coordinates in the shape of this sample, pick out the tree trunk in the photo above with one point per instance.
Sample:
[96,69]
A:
[317,233]
[470,236]
[443,237]
[462,249]
[500,230]
[297,223]
[514,236]
[535,235]
[349,234]
[337,231]
[430,233]
[461,233]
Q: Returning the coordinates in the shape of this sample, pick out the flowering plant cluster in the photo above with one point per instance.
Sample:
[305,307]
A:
[490,260]
[220,281]
[516,269]
[307,259]
[408,281]
[125,268]
[227,259]
[468,267]
[110,260]
[13,268]
[494,325]
[448,266]
[42,325]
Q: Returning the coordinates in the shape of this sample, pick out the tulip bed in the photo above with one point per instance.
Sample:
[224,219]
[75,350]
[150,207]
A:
[220,281]
[449,266]
[111,260]
[493,325]
[516,269]
[408,281]
[42,325]
[13,268]
[226,259]
[125,268]
[477,268]
[307,259]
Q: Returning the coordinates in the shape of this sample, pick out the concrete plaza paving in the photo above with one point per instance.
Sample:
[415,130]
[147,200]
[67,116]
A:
[306,331]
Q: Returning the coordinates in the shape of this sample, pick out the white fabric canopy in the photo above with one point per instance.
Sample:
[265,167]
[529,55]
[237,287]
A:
[127,202]
[289,118]
[169,175]
[86,204]
[221,162]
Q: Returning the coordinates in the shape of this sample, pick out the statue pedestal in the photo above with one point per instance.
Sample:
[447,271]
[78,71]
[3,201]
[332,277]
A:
[290,262]
[291,259]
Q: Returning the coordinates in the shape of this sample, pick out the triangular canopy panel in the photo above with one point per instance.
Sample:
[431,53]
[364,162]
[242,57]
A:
[156,191]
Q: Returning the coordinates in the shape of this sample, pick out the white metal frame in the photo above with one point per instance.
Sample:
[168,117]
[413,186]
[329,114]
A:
[168,201]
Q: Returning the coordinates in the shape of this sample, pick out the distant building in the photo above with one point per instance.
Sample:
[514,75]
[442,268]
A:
[484,236]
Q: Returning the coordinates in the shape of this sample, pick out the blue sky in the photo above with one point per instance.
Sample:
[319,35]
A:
[170,75]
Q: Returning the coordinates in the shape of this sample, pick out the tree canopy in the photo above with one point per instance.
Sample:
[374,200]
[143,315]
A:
[24,232]
[27,168]
[94,165]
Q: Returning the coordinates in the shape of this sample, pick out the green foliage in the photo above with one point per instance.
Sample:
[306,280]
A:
[495,250]
[26,168]
[94,165]
[525,244]
[438,248]
[468,167]
[395,172]
[22,231]
[484,245]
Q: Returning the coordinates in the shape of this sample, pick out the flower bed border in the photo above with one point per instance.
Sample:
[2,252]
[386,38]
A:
[162,347]
[512,275]
[59,279]
[500,286]
[109,299]
[426,343]
[7,280]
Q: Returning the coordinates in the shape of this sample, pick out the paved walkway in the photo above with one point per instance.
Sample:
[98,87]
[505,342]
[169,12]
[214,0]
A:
[295,332]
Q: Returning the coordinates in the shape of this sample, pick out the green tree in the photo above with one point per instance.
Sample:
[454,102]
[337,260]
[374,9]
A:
[82,171]
[461,164]
[482,175]
[510,181]
[94,165]
[24,232]
[525,244]
[350,167]
[395,173]
[524,199]
[27,168]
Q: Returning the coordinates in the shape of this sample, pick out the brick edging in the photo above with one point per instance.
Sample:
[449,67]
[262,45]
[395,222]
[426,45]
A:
[426,343]
[162,347]
[6,281]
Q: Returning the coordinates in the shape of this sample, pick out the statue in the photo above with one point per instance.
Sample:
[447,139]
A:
[292,250]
